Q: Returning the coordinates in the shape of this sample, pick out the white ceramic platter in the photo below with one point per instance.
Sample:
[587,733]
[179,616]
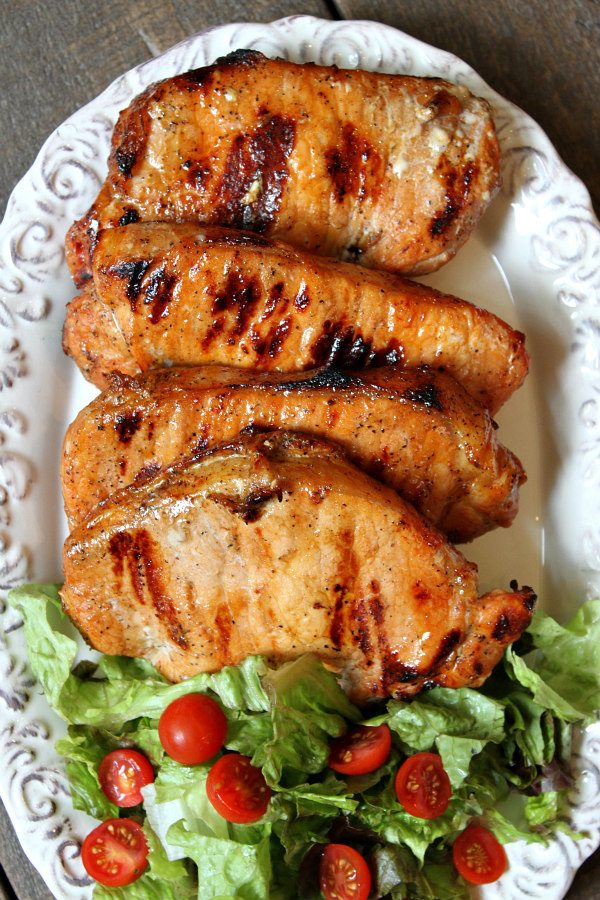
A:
[535,260]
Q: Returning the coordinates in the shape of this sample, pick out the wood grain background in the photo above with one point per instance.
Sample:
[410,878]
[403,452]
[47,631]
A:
[55,56]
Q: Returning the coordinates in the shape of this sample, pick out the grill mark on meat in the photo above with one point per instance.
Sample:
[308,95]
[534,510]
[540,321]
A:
[302,300]
[325,379]
[448,644]
[275,296]
[276,339]
[125,159]
[251,507]
[197,174]
[395,671]
[344,589]
[133,271]
[236,239]
[223,626]
[256,161]
[392,355]
[420,592]
[338,344]
[127,424]
[457,194]
[119,546]
[138,550]
[159,293]
[510,624]
[336,625]
[427,395]
[130,216]
[354,166]
[203,76]
[240,293]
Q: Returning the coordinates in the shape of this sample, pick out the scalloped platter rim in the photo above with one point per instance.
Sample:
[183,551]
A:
[534,259]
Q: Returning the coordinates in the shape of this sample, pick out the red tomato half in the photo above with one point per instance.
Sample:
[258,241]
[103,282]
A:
[115,852]
[478,855]
[121,775]
[344,874]
[192,729]
[422,786]
[362,749]
[237,789]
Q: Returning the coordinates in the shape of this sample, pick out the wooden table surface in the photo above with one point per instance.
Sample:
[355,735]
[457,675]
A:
[55,56]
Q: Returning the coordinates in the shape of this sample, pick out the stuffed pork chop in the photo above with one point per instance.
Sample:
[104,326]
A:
[167,294]
[389,169]
[416,429]
[277,545]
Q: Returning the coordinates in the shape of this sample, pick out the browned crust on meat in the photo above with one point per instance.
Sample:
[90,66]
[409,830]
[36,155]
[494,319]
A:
[391,170]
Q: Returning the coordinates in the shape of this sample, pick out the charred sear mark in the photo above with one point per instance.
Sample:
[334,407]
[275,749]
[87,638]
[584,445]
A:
[354,166]
[140,552]
[133,272]
[325,379]
[395,672]
[339,345]
[251,507]
[204,76]
[130,216]
[276,339]
[255,174]
[426,395]
[119,546]
[302,300]
[241,57]
[448,644]
[457,194]
[337,622]
[197,175]
[354,252]
[223,627]
[127,424]
[274,299]
[125,160]
[240,294]
[392,355]
[158,293]
[501,628]
[510,624]
[236,239]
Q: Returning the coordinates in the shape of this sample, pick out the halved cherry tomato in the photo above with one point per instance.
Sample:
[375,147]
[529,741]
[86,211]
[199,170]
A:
[422,786]
[344,873]
[237,789]
[121,775]
[478,856]
[192,729]
[115,852]
[362,749]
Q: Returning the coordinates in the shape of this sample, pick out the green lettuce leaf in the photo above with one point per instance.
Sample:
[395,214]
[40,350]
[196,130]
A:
[227,868]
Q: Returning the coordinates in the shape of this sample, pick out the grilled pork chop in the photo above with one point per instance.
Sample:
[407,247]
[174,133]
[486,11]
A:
[416,429]
[391,169]
[169,294]
[277,545]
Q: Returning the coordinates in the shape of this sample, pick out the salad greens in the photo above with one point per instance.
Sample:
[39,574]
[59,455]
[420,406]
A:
[505,747]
